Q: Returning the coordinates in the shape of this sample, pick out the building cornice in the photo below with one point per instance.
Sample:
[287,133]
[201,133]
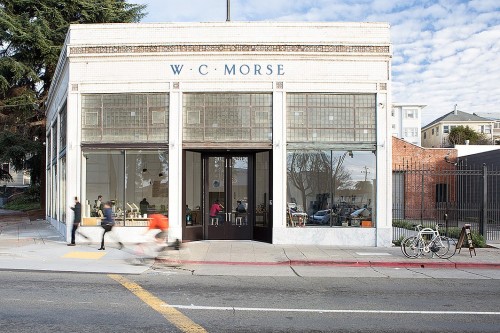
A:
[227,48]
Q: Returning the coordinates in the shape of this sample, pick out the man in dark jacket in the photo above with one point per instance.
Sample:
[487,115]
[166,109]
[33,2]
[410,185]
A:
[107,223]
[77,210]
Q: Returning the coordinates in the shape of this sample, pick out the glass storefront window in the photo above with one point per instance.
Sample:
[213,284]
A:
[194,189]
[53,190]
[105,176]
[331,188]
[262,197]
[62,195]
[146,183]
[135,181]
[48,190]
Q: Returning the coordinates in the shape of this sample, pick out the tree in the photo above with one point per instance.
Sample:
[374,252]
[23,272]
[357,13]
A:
[32,33]
[459,134]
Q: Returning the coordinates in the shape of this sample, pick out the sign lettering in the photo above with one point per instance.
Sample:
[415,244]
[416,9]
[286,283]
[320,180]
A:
[233,69]
[176,69]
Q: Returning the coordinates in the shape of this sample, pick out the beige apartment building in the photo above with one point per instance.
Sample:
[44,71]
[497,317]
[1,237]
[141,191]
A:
[435,134]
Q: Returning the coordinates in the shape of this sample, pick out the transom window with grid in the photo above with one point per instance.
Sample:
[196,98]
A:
[62,128]
[125,118]
[320,117]
[227,117]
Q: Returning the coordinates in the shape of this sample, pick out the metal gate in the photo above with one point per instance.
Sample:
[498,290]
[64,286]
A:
[451,196]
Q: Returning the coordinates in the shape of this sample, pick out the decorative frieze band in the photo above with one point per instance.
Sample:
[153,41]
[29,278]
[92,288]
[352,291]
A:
[228,48]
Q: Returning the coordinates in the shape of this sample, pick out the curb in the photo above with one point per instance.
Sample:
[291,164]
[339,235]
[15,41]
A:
[341,263]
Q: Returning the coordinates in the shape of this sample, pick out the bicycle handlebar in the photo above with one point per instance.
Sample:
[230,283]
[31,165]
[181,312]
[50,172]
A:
[420,227]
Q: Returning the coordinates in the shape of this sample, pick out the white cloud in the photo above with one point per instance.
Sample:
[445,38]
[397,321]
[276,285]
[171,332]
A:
[184,11]
[485,5]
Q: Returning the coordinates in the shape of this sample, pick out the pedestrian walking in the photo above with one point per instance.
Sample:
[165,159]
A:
[107,223]
[77,219]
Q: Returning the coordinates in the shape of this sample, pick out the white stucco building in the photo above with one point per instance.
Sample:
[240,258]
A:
[292,120]
[406,121]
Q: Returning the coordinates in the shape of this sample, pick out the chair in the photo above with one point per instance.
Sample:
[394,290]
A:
[296,215]
[239,220]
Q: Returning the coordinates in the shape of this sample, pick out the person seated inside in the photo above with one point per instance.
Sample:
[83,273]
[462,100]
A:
[240,208]
[143,206]
[99,207]
[215,209]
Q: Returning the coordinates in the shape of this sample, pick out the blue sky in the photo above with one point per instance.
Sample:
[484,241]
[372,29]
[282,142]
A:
[446,52]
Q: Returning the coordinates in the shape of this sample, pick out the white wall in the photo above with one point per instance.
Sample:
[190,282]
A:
[464,150]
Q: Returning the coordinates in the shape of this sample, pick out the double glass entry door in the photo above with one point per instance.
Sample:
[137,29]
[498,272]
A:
[227,201]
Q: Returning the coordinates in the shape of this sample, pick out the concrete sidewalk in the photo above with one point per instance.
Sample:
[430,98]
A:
[36,245]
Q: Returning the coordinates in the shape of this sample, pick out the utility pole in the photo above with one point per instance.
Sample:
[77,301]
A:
[228,11]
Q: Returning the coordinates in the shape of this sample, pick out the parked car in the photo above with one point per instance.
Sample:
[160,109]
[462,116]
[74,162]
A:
[362,212]
[320,217]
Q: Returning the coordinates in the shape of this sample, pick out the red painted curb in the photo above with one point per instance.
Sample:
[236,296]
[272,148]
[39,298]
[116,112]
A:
[344,263]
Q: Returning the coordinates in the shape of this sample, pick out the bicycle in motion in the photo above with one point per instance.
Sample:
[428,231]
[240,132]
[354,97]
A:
[426,241]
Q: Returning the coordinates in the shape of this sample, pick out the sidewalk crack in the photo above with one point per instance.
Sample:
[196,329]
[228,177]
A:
[294,271]
[290,264]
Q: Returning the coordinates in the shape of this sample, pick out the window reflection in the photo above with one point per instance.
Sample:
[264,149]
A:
[330,188]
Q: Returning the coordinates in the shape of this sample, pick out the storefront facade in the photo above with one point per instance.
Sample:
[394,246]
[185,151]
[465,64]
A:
[283,124]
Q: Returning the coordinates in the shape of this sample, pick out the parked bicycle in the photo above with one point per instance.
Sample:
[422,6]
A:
[428,240]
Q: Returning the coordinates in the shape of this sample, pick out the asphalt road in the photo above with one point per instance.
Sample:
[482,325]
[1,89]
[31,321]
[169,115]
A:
[166,301]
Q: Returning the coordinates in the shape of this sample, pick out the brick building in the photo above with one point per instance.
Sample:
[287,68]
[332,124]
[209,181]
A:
[423,180]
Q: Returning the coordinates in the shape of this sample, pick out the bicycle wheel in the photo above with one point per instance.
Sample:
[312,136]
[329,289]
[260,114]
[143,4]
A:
[444,247]
[411,247]
[143,255]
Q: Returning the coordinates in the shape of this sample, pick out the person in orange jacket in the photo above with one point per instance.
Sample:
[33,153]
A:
[159,222]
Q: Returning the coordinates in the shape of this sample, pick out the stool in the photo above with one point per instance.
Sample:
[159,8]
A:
[214,221]
[239,220]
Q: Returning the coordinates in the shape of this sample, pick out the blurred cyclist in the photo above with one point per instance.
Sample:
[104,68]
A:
[159,222]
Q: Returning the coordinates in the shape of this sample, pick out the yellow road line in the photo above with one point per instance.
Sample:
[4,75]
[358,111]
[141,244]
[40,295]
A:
[172,315]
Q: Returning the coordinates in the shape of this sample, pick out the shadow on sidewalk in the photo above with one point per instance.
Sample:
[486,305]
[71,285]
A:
[36,214]
[17,215]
